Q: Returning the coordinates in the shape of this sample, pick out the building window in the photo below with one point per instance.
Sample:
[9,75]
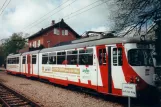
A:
[63,32]
[38,43]
[86,57]
[33,59]
[117,56]
[30,44]
[35,44]
[58,32]
[55,31]
[66,32]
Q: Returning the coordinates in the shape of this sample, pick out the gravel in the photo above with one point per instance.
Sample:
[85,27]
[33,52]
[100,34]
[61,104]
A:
[48,95]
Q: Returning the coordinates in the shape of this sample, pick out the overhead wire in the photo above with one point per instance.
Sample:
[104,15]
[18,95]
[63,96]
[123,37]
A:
[45,15]
[85,10]
[5,7]
[80,10]
[52,14]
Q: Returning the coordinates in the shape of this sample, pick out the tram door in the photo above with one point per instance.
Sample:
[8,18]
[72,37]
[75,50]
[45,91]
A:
[116,66]
[28,64]
[103,66]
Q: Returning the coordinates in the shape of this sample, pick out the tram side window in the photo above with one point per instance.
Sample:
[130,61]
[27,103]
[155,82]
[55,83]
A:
[45,59]
[9,60]
[117,56]
[13,60]
[52,58]
[61,57]
[33,59]
[86,57]
[72,57]
[16,60]
[24,60]
[102,56]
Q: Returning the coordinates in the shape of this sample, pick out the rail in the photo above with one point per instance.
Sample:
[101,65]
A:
[11,98]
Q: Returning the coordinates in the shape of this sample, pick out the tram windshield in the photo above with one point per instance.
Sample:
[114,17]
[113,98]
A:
[140,57]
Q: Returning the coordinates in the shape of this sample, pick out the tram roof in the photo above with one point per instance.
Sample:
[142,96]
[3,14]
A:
[31,52]
[13,55]
[106,41]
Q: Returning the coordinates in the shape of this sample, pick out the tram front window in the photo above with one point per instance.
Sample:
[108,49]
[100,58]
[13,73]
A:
[140,57]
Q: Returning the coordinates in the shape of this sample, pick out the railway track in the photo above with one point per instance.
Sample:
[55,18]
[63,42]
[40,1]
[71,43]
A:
[10,98]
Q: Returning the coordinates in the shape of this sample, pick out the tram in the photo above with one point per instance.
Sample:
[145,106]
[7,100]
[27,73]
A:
[99,63]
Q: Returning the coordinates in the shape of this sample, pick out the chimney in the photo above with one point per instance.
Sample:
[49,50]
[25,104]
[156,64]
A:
[52,22]
[62,20]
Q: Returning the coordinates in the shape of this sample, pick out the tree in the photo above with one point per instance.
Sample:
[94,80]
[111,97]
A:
[1,56]
[13,44]
[138,12]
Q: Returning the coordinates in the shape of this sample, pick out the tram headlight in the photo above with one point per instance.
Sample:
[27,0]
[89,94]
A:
[137,78]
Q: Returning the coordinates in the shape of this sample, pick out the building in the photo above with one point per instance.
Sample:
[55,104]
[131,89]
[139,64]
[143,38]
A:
[51,36]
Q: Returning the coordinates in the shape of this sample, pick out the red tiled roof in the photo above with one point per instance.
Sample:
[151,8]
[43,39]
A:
[60,24]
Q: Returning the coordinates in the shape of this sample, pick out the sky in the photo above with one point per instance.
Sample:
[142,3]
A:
[29,16]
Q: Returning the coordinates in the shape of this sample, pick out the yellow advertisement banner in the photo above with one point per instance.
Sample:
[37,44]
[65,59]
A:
[66,70]
[12,66]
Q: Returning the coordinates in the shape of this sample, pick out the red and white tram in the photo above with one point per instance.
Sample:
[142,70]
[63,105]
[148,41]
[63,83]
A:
[101,64]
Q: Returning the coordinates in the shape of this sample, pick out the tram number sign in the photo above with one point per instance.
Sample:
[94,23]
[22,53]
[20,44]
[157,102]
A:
[129,90]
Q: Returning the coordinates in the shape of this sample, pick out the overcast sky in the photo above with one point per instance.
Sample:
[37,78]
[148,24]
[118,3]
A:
[20,14]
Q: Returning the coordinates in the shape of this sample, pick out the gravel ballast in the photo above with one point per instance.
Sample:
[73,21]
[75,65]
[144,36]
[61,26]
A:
[49,95]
